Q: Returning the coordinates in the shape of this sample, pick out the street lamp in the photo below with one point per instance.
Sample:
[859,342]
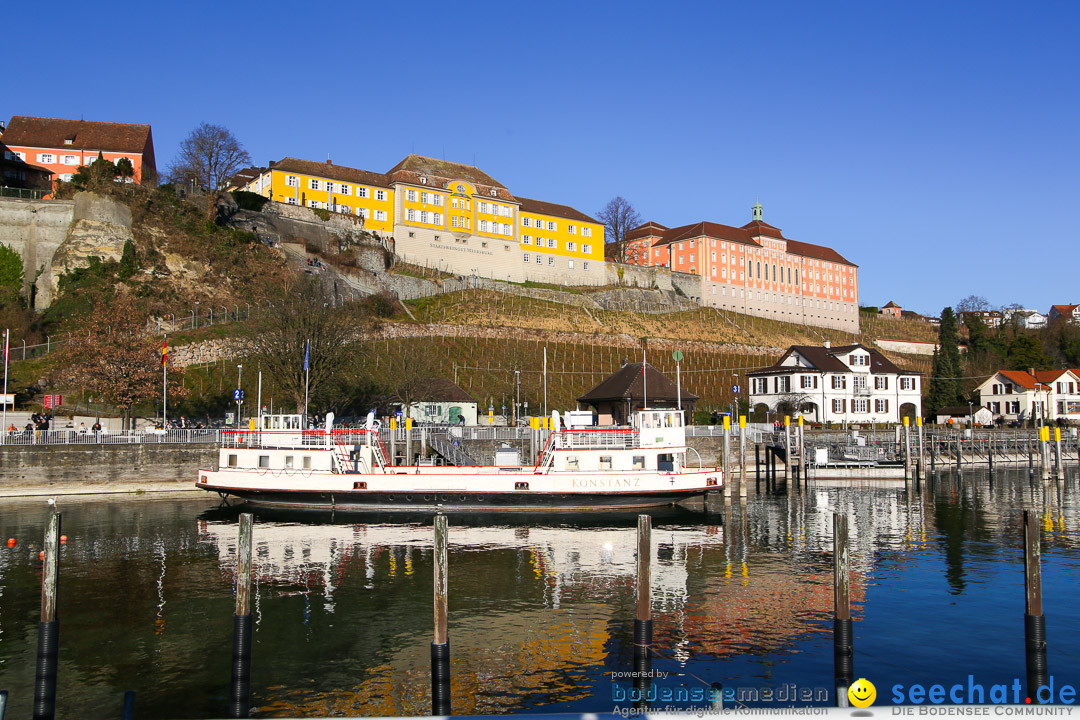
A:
[239,374]
[517,394]
[971,415]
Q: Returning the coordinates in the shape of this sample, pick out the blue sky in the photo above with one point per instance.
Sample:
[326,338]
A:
[932,144]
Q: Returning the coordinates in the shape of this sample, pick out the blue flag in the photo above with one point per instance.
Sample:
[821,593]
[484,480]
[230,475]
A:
[307,349]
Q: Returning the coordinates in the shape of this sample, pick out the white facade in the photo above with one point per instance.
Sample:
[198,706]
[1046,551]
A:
[1019,396]
[850,384]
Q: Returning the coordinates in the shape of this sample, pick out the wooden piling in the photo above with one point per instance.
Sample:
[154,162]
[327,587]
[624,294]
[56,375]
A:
[242,623]
[907,448]
[757,463]
[787,447]
[843,637]
[1057,452]
[643,625]
[48,626]
[1034,621]
[440,647]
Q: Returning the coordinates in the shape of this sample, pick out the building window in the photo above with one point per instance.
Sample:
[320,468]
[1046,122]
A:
[410,195]
[539,260]
[313,184]
[551,261]
[881,383]
[292,181]
[571,229]
[570,264]
[423,216]
[69,159]
[860,405]
[344,189]
[585,266]
[551,226]
[525,257]
[552,243]
[881,405]
[410,215]
[571,246]
[839,382]
[291,201]
[46,158]
[526,240]
[526,222]
[380,215]
[586,232]
[838,406]
[907,383]
[361,192]
[380,194]
[587,249]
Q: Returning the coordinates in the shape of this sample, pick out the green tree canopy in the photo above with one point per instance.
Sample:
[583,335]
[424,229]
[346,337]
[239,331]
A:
[11,274]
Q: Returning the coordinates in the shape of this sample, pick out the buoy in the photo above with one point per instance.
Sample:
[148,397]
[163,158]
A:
[41,555]
[63,538]
[11,542]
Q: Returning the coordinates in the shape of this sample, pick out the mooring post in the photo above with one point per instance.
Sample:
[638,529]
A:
[242,623]
[1044,451]
[48,626]
[408,442]
[787,447]
[1034,621]
[643,626]
[757,463]
[727,452]
[393,441]
[843,637]
[933,455]
[1057,452]
[742,456]
[907,447]
[3,703]
[440,646]
[922,454]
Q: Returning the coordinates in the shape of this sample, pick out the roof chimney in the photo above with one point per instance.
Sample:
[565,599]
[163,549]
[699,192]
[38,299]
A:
[329,161]
[2,127]
[1031,372]
[271,164]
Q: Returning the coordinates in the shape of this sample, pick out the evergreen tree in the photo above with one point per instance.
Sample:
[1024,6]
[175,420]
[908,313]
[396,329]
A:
[946,388]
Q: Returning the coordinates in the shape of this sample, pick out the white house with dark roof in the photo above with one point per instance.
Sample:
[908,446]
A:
[848,384]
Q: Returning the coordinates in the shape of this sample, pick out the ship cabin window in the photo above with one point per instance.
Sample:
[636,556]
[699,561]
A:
[232,461]
[264,461]
[639,462]
[288,462]
[605,462]
[307,462]
[571,462]
[665,462]
[647,420]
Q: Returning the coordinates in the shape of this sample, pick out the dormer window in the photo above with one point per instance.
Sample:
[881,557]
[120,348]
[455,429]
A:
[423,181]
[69,141]
[860,360]
[494,192]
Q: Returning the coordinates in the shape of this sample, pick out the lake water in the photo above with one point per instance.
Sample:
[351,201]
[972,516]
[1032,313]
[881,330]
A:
[541,609]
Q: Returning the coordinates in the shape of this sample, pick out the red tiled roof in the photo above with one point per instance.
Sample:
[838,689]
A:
[892,305]
[1063,309]
[555,210]
[649,229]
[331,171]
[819,252]
[1020,377]
[83,134]
[706,229]
[760,227]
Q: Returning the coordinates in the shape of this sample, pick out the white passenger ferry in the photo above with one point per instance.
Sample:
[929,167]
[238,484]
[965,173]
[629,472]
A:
[281,465]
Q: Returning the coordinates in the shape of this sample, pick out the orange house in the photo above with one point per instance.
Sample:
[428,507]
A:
[63,145]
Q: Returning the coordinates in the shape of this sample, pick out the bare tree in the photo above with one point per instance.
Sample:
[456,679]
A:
[973,303]
[619,218]
[280,343]
[793,403]
[209,157]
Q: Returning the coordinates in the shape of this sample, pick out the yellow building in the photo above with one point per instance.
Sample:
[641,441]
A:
[449,216]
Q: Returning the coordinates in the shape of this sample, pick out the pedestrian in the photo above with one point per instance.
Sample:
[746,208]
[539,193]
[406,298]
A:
[82,428]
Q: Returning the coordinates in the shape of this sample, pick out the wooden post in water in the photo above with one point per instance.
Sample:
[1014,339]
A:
[440,646]
[1034,621]
[643,626]
[242,625]
[1031,461]
[1044,451]
[757,464]
[922,453]
[843,636]
[742,456]
[48,649]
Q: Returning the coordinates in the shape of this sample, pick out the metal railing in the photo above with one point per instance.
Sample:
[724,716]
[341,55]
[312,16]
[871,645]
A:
[70,436]
[23,193]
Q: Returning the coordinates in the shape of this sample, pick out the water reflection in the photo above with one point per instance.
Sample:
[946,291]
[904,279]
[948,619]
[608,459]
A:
[540,607]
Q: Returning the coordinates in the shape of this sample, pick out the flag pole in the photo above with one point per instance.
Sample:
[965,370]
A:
[165,382]
[7,336]
[307,376]
[644,380]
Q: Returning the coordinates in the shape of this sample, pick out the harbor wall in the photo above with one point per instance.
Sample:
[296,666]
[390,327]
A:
[65,469]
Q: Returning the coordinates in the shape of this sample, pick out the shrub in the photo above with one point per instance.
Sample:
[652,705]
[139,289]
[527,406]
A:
[321,213]
[383,304]
[249,201]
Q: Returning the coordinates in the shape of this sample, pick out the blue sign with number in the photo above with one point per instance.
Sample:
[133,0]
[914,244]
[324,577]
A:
[735,389]
[238,394]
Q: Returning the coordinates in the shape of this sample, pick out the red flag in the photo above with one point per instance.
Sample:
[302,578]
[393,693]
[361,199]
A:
[164,351]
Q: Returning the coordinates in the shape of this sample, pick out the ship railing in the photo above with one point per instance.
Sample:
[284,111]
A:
[597,439]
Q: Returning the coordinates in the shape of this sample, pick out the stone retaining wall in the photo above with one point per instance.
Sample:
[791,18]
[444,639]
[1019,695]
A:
[64,467]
